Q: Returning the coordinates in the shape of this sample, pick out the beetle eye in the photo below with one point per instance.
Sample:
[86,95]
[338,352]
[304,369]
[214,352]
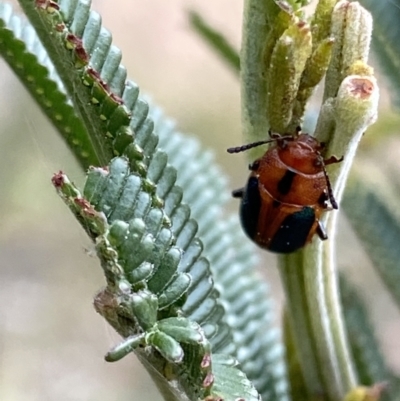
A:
[283,144]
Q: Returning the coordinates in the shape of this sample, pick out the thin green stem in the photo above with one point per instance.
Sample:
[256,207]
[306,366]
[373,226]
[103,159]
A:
[309,276]
[326,320]
[334,308]
[316,320]
[353,110]
[293,280]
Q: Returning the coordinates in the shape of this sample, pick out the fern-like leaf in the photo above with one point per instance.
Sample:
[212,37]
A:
[146,286]
[371,210]
[369,361]
[22,50]
[385,41]
[245,296]
[137,205]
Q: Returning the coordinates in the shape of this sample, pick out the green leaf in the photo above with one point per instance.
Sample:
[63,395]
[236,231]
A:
[321,21]
[288,61]
[229,381]
[119,268]
[248,305]
[371,207]
[135,205]
[126,347]
[165,273]
[298,388]
[106,187]
[370,363]
[134,196]
[181,329]
[385,44]
[351,29]
[215,40]
[22,50]
[169,348]
[144,307]
[250,311]
[173,293]
[58,29]
[258,19]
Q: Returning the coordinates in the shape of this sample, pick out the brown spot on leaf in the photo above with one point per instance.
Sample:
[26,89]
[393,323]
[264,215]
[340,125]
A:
[58,179]
[213,398]
[59,27]
[77,44]
[47,4]
[81,54]
[116,98]
[361,87]
[206,361]
[85,205]
[208,380]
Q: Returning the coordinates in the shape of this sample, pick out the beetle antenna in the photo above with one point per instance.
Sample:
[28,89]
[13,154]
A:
[331,197]
[243,148]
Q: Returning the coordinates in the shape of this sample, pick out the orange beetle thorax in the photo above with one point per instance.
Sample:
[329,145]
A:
[292,172]
[301,155]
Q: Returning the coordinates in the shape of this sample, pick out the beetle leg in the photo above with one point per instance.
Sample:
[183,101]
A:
[323,200]
[238,193]
[254,166]
[321,231]
[323,163]
[332,160]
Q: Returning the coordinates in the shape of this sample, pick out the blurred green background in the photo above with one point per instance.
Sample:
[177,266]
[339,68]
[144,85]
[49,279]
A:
[51,341]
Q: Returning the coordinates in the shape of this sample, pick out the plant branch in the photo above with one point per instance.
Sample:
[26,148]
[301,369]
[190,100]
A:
[257,21]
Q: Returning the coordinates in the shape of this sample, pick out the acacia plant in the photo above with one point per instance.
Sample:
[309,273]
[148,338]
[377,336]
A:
[181,285]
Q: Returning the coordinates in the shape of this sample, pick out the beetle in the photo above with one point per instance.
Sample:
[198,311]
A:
[287,192]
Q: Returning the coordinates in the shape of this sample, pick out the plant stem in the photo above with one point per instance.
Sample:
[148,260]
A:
[315,317]
[353,111]
[293,281]
[253,86]
[332,353]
